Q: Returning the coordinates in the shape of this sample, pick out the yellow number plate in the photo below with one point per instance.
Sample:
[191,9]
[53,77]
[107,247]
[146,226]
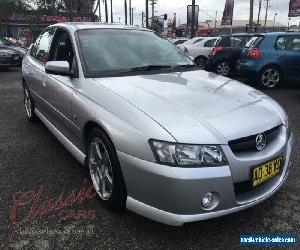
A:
[266,172]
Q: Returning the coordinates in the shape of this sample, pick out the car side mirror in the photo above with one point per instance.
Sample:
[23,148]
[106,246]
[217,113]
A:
[61,68]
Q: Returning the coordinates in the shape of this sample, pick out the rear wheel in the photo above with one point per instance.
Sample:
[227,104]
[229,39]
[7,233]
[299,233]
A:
[105,170]
[270,77]
[201,62]
[223,68]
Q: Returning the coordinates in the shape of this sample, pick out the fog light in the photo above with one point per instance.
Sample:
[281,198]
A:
[210,201]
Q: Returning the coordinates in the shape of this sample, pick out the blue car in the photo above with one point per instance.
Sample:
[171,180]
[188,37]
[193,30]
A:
[273,58]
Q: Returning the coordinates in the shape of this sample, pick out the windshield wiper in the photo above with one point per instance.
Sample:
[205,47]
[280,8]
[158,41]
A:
[187,66]
[149,68]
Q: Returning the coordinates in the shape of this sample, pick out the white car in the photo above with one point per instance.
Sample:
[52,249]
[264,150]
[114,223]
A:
[190,42]
[200,50]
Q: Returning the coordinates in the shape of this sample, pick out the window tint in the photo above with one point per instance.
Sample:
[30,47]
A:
[62,49]
[102,54]
[41,52]
[292,43]
[239,42]
[255,42]
[210,43]
[280,44]
[34,47]
[234,41]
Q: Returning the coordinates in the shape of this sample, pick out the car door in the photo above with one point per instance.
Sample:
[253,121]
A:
[58,90]
[292,57]
[34,68]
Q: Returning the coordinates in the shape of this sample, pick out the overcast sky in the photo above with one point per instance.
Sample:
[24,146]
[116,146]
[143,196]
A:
[208,9]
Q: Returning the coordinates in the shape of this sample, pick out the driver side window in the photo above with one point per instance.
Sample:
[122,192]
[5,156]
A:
[62,48]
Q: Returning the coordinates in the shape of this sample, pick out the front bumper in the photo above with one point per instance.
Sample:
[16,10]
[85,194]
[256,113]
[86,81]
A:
[173,195]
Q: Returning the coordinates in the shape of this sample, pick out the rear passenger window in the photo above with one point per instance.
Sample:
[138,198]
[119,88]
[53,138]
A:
[293,43]
[289,43]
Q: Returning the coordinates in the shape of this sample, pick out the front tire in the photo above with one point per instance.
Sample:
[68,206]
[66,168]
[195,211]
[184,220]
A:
[105,170]
[270,77]
[29,105]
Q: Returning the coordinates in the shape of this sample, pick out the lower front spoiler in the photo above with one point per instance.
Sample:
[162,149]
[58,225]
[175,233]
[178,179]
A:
[179,219]
[184,208]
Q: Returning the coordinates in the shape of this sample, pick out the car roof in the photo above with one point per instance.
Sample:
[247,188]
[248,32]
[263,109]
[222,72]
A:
[240,34]
[282,33]
[97,25]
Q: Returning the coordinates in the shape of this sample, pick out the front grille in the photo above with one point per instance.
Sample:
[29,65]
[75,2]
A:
[242,187]
[249,143]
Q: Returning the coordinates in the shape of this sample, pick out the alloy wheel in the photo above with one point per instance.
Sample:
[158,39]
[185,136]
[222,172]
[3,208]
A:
[223,69]
[100,168]
[270,78]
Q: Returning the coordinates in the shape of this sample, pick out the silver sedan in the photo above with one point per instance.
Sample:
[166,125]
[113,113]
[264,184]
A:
[160,137]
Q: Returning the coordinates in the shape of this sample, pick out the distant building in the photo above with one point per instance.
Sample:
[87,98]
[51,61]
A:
[238,26]
[33,22]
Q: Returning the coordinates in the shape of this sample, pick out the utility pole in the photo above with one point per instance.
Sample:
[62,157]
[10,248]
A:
[251,16]
[266,17]
[216,22]
[143,14]
[131,16]
[193,19]
[130,12]
[106,12]
[258,18]
[147,14]
[289,24]
[153,2]
[71,11]
[100,19]
[111,12]
[125,6]
[274,22]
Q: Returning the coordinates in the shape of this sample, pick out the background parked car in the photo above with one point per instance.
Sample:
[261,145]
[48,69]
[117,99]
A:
[6,44]
[190,42]
[223,58]
[200,51]
[178,41]
[8,58]
[272,57]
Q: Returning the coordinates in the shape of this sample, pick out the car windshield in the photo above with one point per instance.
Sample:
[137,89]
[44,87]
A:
[233,41]
[106,52]
[254,41]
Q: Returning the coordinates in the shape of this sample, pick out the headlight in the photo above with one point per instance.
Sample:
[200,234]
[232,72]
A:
[184,155]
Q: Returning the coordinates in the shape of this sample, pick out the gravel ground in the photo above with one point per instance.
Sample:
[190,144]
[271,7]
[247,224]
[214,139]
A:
[36,171]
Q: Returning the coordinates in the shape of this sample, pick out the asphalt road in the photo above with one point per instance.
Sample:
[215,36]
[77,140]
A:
[36,171]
